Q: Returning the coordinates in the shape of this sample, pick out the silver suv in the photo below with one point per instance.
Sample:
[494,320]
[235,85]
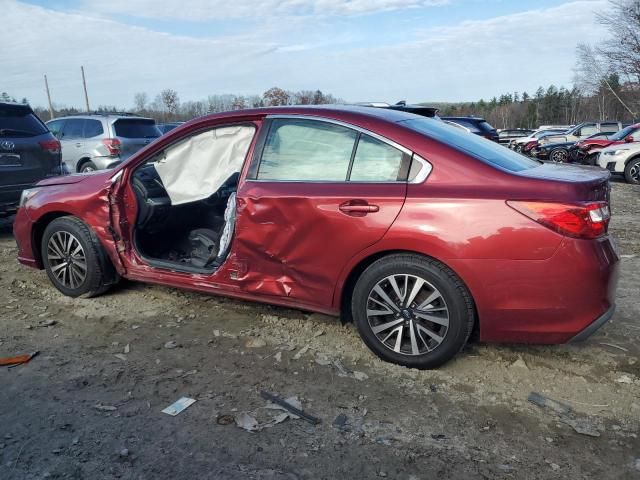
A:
[96,141]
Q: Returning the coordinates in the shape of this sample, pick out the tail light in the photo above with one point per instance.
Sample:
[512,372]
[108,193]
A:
[51,146]
[113,145]
[579,220]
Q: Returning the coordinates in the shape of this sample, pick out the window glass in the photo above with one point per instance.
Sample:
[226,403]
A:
[588,130]
[55,126]
[635,135]
[136,128]
[376,161]
[473,145]
[609,127]
[307,150]
[19,122]
[92,128]
[73,128]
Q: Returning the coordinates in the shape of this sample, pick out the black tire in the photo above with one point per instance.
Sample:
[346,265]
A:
[632,171]
[99,274]
[456,297]
[88,167]
[559,155]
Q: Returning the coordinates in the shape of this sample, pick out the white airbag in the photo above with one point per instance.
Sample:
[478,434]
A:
[197,167]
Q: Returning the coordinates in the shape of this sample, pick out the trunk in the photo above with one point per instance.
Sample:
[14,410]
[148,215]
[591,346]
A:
[571,182]
[27,161]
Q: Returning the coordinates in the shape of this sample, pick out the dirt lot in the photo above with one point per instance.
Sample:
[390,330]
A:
[80,411]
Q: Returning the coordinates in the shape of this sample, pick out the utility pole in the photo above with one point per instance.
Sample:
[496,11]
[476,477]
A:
[46,85]
[84,84]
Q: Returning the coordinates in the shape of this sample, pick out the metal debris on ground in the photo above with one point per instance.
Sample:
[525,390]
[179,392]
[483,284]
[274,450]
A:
[179,406]
[17,360]
[287,405]
[565,414]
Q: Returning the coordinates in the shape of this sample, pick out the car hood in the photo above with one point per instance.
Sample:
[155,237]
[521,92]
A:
[74,178]
[631,147]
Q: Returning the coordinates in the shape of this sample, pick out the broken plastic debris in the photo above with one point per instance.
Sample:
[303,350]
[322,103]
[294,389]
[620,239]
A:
[179,406]
[18,360]
[565,414]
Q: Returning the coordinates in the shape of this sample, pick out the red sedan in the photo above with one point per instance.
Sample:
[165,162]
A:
[418,231]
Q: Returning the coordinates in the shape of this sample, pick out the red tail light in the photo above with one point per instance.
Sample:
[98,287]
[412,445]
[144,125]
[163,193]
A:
[578,220]
[51,146]
[113,145]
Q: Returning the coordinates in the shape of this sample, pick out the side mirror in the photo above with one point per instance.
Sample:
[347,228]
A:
[628,138]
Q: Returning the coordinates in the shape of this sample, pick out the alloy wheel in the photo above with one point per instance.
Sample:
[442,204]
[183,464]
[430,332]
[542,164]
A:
[87,169]
[407,314]
[67,259]
[559,156]
[634,172]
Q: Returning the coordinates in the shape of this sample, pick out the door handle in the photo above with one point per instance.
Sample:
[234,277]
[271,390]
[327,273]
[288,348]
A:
[78,145]
[358,208]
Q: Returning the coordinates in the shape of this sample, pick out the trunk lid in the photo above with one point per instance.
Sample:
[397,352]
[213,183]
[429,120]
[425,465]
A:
[577,183]
[134,134]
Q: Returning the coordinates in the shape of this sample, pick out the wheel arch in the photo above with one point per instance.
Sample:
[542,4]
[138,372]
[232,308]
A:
[37,233]
[346,290]
[81,162]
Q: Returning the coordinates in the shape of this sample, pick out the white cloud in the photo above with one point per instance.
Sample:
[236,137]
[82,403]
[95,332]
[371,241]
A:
[202,10]
[465,61]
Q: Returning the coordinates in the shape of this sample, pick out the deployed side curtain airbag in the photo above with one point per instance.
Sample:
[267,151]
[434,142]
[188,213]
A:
[197,167]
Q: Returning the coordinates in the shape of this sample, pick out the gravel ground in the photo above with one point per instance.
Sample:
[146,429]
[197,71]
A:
[89,406]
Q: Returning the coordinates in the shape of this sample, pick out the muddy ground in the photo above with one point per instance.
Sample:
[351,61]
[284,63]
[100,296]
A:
[79,411]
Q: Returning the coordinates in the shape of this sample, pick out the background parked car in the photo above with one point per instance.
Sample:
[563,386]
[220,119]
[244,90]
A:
[476,125]
[622,159]
[583,130]
[519,143]
[96,141]
[507,135]
[560,152]
[167,127]
[28,153]
[586,151]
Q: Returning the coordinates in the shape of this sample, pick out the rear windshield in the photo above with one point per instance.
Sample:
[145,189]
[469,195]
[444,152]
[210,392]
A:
[478,147]
[19,122]
[486,126]
[136,128]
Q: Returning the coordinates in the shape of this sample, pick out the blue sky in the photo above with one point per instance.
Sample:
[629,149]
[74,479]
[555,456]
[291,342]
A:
[359,50]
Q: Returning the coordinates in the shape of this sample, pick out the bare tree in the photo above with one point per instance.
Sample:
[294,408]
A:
[170,100]
[140,101]
[622,50]
[275,96]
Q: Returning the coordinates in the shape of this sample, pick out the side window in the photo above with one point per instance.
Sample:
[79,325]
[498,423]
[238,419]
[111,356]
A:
[609,127]
[92,128]
[306,150]
[636,136]
[72,128]
[587,130]
[376,161]
[55,127]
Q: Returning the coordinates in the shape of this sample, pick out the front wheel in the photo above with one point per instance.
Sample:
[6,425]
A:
[412,311]
[74,260]
[559,155]
[632,171]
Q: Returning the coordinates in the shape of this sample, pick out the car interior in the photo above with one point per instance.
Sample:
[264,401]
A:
[186,198]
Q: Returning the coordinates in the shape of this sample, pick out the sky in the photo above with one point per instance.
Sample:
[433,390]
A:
[357,50]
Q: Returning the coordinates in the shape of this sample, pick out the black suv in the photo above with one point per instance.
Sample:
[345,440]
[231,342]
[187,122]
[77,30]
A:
[476,125]
[28,153]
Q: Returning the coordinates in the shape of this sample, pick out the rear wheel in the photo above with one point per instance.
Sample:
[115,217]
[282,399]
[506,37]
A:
[559,155]
[73,258]
[412,311]
[632,171]
[88,167]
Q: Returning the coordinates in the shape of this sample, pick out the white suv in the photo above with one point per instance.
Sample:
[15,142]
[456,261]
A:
[624,159]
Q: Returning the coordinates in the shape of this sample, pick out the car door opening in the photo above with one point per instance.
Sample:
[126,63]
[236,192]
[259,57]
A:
[186,197]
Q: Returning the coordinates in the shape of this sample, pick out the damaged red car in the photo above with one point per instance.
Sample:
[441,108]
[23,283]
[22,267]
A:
[420,233]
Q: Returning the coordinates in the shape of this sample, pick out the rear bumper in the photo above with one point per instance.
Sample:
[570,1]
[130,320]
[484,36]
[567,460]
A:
[593,327]
[104,163]
[545,301]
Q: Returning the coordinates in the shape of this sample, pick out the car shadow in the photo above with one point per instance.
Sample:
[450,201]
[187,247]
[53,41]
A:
[6,227]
